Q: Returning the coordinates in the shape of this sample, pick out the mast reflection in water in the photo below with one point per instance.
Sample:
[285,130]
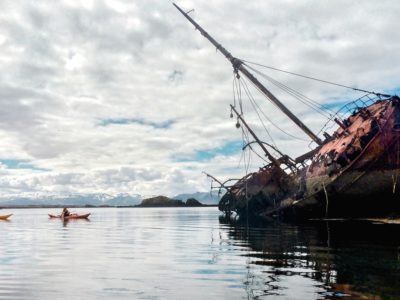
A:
[349,260]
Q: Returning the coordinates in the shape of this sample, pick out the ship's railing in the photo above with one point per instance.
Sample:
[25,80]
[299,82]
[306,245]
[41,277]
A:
[354,106]
[347,110]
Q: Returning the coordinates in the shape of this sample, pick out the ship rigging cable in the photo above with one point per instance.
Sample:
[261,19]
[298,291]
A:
[237,93]
[316,79]
[297,95]
[255,105]
[247,144]
[266,117]
[246,164]
[244,138]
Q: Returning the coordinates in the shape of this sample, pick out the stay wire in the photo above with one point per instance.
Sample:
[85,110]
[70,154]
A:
[313,78]
[253,103]
[246,142]
[303,99]
[300,96]
[260,156]
[234,91]
[245,136]
[246,162]
[276,126]
[240,96]
[296,94]
[237,94]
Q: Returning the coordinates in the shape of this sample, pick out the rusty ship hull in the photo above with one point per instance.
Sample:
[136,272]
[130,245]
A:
[353,174]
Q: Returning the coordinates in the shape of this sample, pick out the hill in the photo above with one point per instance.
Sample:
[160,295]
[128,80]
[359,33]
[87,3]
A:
[161,201]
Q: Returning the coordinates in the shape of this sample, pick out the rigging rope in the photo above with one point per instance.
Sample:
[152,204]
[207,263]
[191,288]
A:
[302,98]
[276,126]
[234,91]
[260,156]
[254,104]
[237,93]
[316,79]
[245,138]
[240,94]
[246,141]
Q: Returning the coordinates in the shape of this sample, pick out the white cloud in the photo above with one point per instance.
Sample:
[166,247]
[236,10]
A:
[68,65]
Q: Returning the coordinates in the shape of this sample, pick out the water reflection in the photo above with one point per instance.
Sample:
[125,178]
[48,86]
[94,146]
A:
[338,259]
[161,253]
[66,221]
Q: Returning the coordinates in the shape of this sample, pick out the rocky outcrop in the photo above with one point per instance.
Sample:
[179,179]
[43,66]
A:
[193,202]
[161,201]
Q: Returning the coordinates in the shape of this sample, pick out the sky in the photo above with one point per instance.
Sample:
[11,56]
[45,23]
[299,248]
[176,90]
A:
[126,97]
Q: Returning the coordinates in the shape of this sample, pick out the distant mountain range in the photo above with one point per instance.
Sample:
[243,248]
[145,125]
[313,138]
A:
[74,200]
[98,199]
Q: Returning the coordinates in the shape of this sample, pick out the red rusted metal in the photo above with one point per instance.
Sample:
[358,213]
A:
[354,173]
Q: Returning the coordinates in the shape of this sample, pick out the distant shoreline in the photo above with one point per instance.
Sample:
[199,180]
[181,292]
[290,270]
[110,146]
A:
[100,206]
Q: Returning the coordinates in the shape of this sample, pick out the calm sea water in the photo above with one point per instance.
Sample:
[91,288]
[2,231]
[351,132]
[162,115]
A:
[189,253]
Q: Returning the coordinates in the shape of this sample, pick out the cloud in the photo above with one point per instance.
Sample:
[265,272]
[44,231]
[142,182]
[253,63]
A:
[113,96]
[124,121]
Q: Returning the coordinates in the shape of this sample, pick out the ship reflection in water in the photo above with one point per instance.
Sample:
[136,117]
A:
[347,260]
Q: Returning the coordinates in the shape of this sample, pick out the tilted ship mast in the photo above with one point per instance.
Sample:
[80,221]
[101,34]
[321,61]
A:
[238,66]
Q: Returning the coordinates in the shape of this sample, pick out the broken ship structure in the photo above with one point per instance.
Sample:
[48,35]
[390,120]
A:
[352,172]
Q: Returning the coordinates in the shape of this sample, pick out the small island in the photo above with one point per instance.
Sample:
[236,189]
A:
[163,201]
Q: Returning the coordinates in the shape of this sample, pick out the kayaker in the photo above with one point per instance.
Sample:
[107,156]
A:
[65,213]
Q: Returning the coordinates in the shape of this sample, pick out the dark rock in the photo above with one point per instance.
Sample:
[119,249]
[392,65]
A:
[193,202]
[161,201]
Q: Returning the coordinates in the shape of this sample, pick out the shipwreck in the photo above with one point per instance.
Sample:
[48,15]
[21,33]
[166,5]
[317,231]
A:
[350,172]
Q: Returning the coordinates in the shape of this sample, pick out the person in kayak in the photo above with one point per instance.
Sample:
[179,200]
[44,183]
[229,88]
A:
[65,213]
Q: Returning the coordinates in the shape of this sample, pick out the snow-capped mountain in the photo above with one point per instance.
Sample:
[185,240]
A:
[74,200]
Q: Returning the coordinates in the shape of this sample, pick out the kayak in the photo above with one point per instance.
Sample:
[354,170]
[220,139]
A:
[70,217]
[5,217]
